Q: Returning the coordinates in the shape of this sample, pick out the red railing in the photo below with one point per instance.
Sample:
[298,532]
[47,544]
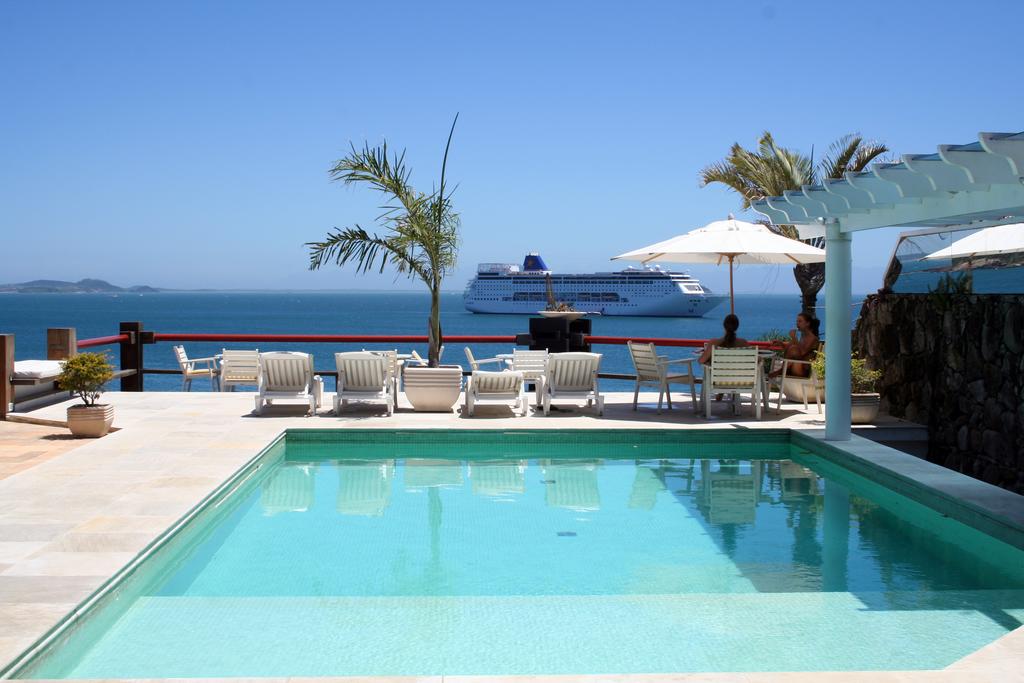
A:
[332,338]
[382,338]
[103,341]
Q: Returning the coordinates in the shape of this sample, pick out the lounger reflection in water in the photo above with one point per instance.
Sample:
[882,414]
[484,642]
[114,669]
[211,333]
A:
[364,486]
[571,485]
[427,473]
[497,477]
[291,489]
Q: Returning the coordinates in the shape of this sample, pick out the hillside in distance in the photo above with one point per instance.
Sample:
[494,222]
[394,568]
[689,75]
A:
[87,285]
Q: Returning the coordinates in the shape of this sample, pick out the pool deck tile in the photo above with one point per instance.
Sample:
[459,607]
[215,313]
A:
[70,520]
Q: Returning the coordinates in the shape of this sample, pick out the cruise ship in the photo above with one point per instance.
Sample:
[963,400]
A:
[648,291]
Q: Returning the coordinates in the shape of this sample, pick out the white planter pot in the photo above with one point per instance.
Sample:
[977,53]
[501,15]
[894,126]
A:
[793,390]
[90,421]
[432,390]
[864,408]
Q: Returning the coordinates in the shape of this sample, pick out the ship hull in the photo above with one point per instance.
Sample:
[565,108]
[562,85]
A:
[669,307]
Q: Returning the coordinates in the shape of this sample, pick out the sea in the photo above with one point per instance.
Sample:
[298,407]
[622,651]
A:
[28,316]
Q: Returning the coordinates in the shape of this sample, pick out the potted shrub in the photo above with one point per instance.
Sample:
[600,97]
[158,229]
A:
[84,376]
[864,397]
[420,239]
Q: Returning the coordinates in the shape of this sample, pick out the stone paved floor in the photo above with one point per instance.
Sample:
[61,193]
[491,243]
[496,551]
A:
[69,522]
[26,445]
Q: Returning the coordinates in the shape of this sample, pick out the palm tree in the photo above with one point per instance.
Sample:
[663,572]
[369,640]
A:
[420,236]
[771,170]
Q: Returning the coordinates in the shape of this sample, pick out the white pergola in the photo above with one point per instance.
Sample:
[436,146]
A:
[974,185]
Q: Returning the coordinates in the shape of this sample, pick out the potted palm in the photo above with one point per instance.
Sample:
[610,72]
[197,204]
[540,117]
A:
[864,397]
[84,376]
[419,239]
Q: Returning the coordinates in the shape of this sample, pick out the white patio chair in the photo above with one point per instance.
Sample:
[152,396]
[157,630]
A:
[505,388]
[652,370]
[572,376]
[733,371]
[193,368]
[239,369]
[475,363]
[533,365]
[363,376]
[288,376]
[811,381]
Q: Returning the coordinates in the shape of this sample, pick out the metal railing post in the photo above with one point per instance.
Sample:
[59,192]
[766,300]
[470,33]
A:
[61,343]
[7,370]
[131,356]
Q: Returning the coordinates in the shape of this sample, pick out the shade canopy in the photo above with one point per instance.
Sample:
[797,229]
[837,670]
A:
[729,240]
[718,241]
[1001,239]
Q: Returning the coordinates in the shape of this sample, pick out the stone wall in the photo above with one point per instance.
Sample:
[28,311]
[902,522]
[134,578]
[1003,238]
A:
[955,363]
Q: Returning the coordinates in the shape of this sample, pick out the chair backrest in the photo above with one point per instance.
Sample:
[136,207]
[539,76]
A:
[287,371]
[645,360]
[391,355]
[240,365]
[485,382]
[473,365]
[530,363]
[734,368]
[575,371]
[182,357]
[362,371]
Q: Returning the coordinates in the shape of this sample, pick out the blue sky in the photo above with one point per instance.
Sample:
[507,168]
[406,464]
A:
[186,144]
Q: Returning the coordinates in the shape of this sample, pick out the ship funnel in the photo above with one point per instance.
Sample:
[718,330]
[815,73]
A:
[533,262]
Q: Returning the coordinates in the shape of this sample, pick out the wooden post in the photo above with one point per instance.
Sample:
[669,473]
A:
[7,369]
[131,356]
[61,343]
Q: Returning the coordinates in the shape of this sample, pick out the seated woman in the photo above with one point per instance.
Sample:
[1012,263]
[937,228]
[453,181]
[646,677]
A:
[729,340]
[802,348]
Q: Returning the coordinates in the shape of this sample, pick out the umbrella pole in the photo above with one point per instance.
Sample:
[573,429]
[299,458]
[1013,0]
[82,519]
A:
[732,302]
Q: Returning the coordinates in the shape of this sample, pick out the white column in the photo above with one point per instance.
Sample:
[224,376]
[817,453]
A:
[838,283]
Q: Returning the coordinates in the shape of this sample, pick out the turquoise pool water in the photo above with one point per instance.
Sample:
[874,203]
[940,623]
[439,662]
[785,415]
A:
[403,553]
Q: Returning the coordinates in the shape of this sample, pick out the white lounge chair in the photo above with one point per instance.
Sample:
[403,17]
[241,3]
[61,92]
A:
[394,367]
[572,376]
[652,370]
[417,359]
[288,376]
[239,368]
[363,376]
[474,363]
[195,368]
[533,365]
[505,388]
[733,371]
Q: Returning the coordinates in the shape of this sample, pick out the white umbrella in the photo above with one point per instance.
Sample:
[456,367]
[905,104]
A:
[1001,239]
[736,241]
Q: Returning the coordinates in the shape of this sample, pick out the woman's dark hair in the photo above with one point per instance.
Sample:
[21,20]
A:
[731,324]
[812,322]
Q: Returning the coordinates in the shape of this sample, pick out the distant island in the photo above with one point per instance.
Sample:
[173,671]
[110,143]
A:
[88,285]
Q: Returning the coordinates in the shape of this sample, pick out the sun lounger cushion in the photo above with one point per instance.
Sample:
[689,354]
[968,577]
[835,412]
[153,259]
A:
[36,369]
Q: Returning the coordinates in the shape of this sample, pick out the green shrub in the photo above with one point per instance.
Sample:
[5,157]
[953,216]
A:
[84,376]
[774,335]
[863,380]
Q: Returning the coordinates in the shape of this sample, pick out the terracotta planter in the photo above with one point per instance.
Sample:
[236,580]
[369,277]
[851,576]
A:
[90,421]
[432,390]
[864,408]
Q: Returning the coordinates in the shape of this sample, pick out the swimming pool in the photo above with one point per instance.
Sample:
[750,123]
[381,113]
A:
[371,552]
